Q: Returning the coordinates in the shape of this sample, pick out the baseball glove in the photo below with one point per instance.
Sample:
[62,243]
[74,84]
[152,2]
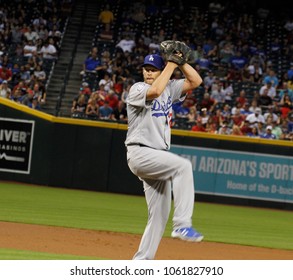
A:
[176,51]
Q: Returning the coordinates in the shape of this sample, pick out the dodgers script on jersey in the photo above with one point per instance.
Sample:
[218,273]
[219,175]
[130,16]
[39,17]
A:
[149,121]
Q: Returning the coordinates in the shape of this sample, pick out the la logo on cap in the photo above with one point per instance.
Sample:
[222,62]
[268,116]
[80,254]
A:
[154,60]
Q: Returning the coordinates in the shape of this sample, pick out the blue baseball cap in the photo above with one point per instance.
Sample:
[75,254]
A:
[154,60]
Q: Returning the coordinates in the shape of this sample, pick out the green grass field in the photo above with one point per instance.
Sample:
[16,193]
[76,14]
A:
[125,213]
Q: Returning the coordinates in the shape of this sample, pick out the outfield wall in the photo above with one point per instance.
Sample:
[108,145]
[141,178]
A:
[42,149]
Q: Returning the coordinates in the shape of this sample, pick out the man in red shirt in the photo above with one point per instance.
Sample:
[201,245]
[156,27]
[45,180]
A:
[208,102]
[112,99]
[5,73]
[198,126]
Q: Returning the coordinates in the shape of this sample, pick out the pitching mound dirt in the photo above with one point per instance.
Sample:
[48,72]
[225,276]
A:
[121,246]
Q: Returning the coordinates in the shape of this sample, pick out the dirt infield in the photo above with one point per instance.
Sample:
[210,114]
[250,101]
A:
[121,246]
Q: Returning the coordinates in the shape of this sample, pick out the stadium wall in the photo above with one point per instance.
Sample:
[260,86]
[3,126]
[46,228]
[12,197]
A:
[38,148]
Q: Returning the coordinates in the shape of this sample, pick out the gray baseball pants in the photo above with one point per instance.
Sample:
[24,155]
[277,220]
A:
[162,171]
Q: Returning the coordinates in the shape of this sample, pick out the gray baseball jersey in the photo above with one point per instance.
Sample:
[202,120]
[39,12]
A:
[149,121]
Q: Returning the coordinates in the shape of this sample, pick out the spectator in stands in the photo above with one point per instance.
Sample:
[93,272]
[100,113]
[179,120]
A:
[217,118]
[120,112]
[290,84]
[276,129]
[106,34]
[106,16]
[29,49]
[16,34]
[211,127]
[126,44]
[255,118]
[236,105]
[127,31]
[119,77]
[226,52]
[255,72]
[265,100]
[254,105]
[285,90]
[236,131]
[227,112]
[207,102]
[39,73]
[204,116]
[234,75]
[25,73]
[55,34]
[218,93]
[146,36]
[43,32]
[268,89]
[16,95]
[238,61]
[112,99]
[77,97]
[125,92]
[138,13]
[215,8]
[105,111]
[86,90]
[208,80]
[238,119]
[198,52]
[285,99]
[21,85]
[48,50]
[270,113]
[92,109]
[242,99]
[27,98]
[198,126]
[31,34]
[245,128]
[257,59]
[268,133]
[34,103]
[192,115]
[5,73]
[228,91]
[244,111]
[5,90]
[101,95]
[39,91]
[271,78]
[253,132]
[181,110]
[15,73]
[79,107]
[92,64]
[285,108]
[224,129]
[107,82]
[6,60]
[204,63]
[106,61]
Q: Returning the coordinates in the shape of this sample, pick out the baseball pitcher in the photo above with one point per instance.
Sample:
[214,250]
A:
[149,109]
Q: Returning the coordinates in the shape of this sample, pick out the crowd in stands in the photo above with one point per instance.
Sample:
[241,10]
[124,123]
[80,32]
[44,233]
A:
[244,55]
[30,39]
[243,52]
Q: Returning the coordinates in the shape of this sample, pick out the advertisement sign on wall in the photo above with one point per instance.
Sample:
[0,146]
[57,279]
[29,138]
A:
[240,174]
[16,142]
